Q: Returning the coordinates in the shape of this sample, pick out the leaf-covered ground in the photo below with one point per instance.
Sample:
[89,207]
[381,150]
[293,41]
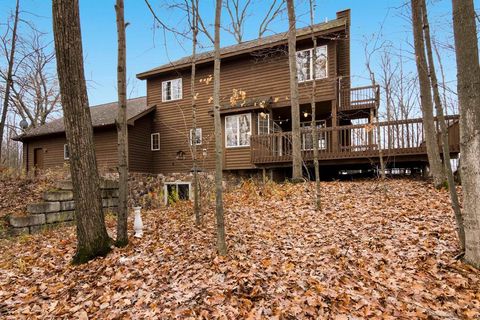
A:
[378,250]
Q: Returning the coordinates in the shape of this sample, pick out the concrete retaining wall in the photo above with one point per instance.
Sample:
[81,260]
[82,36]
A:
[58,208]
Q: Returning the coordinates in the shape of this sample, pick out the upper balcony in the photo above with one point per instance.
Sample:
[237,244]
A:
[357,98]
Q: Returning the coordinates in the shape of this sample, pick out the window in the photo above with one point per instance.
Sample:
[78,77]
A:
[198,136]
[305,65]
[175,191]
[66,152]
[155,141]
[238,129]
[172,90]
[263,123]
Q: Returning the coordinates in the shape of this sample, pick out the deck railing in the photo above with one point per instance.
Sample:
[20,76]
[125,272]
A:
[359,97]
[395,138]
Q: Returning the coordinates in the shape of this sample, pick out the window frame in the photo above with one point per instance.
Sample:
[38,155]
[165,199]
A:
[66,151]
[171,81]
[197,135]
[313,75]
[249,116]
[258,123]
[156,134]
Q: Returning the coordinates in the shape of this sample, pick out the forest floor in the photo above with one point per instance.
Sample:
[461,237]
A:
[377,250]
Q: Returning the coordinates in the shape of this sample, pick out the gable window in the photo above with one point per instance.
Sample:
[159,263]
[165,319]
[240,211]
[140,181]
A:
[306,67]
[172,90]
[238,129]
[198,137]
[155,141]
[66,152]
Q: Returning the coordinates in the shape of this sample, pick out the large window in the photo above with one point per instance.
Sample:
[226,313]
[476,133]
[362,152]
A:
[155,141]
[238,129]
[306,65]
[198,136]
[172,90]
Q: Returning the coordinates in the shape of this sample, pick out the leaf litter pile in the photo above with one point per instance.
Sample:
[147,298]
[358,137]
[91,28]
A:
[378,250]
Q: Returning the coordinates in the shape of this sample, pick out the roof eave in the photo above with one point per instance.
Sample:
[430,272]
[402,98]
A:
[329,27]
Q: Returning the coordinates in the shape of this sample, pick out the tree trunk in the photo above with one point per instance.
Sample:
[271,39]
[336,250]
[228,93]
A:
[196,204]
[318,201]
[92,237]
[9,79]
[443,129]
[221,244]
[468,88]
[292,61]
[433,152]
[122,129]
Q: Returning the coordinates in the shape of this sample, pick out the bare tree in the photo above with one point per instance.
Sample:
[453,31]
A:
[122,129]
[35,93]
[318,201]
[443,128]
[221,243]
[276,8]
[368,57]
[8,82]
[433,152]
[92,237]
[237,11]
[292,61]
[468,88]
[193,137]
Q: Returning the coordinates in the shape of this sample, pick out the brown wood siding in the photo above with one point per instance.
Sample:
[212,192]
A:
[139,153]
[258,77]
[343,54]
[105,146]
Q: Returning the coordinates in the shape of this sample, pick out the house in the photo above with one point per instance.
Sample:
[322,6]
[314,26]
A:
[45,147]
[255,112]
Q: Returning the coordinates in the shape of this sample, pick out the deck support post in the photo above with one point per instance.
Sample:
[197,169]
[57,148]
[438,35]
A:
[371,119]
[335,142]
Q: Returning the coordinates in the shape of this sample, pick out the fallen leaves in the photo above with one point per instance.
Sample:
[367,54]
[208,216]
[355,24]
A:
[378,250]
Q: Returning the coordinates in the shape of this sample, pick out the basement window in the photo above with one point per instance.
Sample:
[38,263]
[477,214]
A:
[176,191]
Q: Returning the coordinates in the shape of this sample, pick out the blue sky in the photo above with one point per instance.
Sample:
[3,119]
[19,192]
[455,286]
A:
[146,45]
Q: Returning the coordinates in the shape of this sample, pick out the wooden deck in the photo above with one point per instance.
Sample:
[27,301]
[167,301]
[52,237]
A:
[397,138]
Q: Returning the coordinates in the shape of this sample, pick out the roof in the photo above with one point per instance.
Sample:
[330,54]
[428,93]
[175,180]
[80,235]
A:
[102,115]
[248,46]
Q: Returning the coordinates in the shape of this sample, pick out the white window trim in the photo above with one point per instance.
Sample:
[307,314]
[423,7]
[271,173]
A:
[151,141]
[163,90]
[198,135]
[65,147]
[312,69]
[176,183]
[238,127]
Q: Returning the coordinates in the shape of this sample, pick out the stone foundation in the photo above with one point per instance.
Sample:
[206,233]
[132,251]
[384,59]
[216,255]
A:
[58,208]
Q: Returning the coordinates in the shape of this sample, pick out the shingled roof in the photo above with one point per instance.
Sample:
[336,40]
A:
[102,115]
[248,46]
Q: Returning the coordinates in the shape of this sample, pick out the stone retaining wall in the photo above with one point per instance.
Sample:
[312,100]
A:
[58,208]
